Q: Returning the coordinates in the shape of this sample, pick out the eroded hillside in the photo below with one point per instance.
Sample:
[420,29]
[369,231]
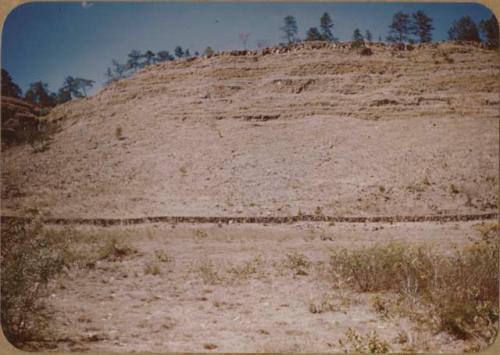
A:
[321,130]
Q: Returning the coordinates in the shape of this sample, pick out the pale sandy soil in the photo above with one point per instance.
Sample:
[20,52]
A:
[204,295]
[194,142]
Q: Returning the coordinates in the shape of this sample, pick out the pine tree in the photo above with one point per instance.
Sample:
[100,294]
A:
[326,26]
[313,34]
[187,53]
[357,39]
[9,88]
[208,51]
[290,29]
[422,26]
[399,29]
[465,29]
[133,60]
[368,36]
[490,30]
[179,53]
[77,87]
[149,56]
[163,56]
[63,96]
[38,93]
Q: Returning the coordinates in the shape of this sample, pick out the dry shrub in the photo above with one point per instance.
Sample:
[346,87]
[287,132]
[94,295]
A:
[114,250]
[30,257]
[354,342]
[461,289]
[297,262]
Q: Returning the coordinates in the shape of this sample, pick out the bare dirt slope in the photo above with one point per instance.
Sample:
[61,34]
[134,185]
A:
[398,132]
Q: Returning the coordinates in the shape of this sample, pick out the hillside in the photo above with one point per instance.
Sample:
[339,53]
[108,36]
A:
[309,129]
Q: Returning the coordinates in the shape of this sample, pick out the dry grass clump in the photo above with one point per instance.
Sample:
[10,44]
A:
[152,267]
[325,304]
[354,342]
[115,250]
[246,270]
[461,289]
[298,262]
[209,273]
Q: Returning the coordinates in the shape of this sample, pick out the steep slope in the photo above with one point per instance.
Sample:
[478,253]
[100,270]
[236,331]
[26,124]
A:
[310,129]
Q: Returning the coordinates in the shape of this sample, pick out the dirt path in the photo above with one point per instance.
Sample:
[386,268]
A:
[235,288]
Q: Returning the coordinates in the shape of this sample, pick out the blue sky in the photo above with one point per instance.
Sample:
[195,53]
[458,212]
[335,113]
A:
[49,41]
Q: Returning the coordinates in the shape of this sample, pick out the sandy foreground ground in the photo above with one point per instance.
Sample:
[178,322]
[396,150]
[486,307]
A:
[230,289]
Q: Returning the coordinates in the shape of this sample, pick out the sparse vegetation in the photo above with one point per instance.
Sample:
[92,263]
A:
[325,304]
[297,262]
[162,256]
[114,250]
[30,257]
[152,267]
[119,133]
[461,289]
[368,343]
[208,273]
[454,189]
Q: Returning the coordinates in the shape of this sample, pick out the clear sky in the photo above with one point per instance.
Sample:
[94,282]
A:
[49,41]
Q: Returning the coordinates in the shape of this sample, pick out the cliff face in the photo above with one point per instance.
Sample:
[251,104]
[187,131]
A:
[312,128]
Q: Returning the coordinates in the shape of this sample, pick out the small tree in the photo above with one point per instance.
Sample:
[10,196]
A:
[179,53]
[464,29]
[187,53]
[399,29]
[150,57]
[38,93]
[326,26]
[63,95]
[490,30]
[313,34]
[208,51]
[133,61]
[368,36]
[290,29]
[163,56]
[422,26]
[9,88]
[116,72]
[77,87]
[357,39]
